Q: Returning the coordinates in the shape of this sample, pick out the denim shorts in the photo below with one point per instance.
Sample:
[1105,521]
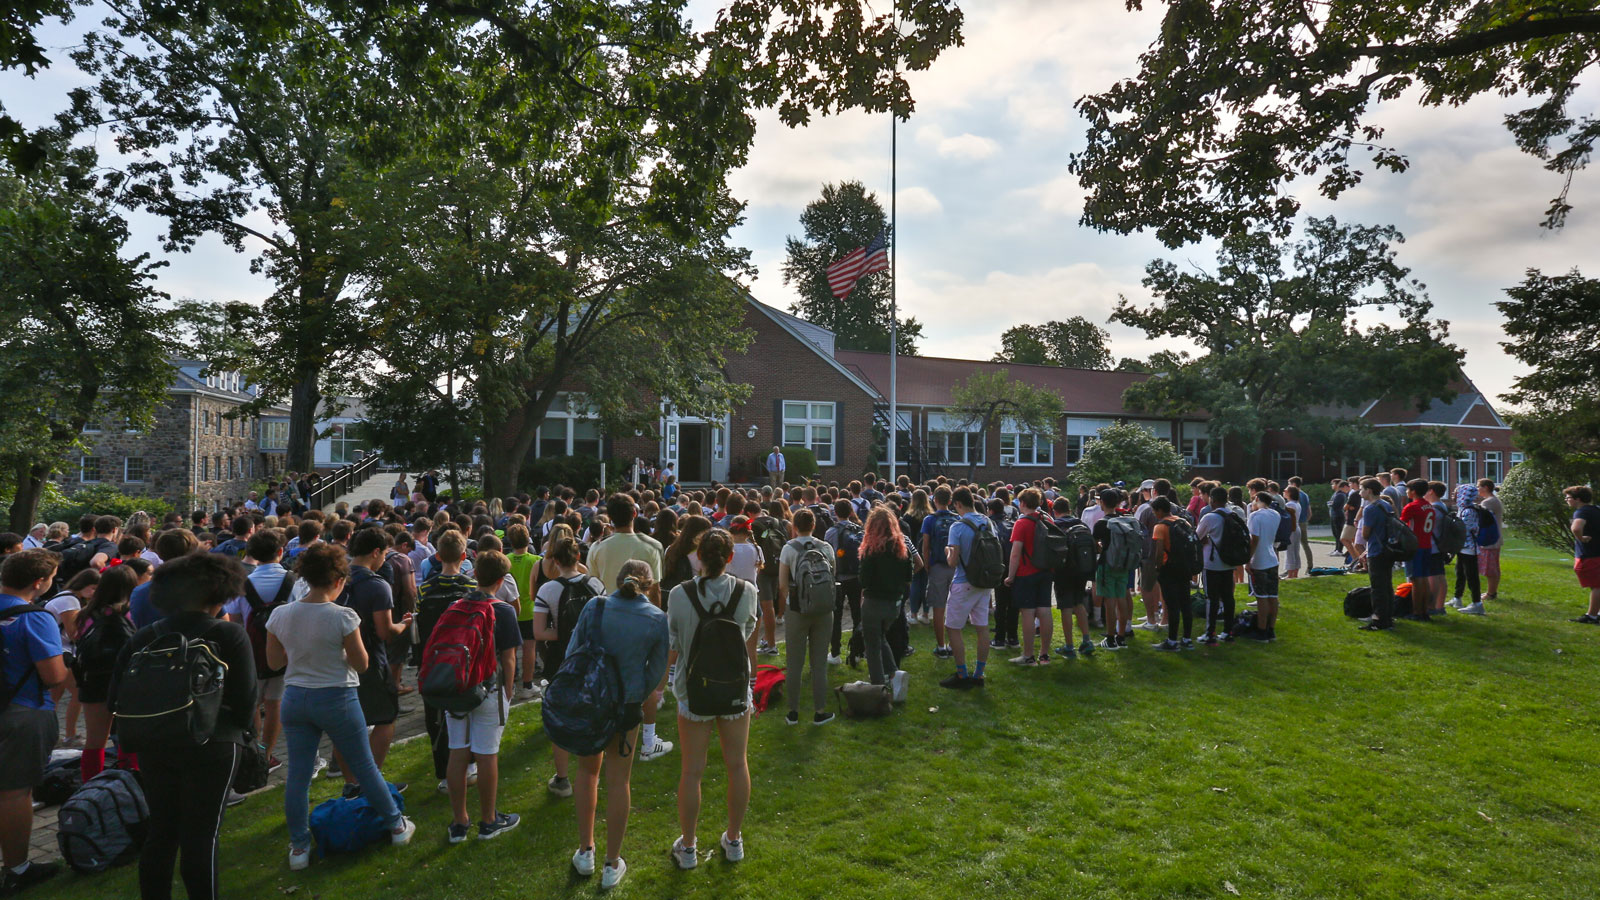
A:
[1031,591]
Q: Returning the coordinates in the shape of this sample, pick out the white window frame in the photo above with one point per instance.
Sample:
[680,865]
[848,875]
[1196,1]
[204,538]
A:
[1025,447]
[1196,437]
[1516,458]
[1438,469]
[567,409]
[127,476]
[810,423]
[1470,474]
[83,469]
[91,427]
[1078,433]
[1493,466]
[1285,456]
[205,468]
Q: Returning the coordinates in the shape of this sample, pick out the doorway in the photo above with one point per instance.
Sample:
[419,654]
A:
[694,452]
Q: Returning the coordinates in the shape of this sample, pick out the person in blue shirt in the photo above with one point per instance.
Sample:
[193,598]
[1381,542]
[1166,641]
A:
[1380,565]
[935,534]
[966,603]
[28,730]
[170,544]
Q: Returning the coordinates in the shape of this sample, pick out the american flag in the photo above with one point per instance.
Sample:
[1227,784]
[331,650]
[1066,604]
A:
[858,263]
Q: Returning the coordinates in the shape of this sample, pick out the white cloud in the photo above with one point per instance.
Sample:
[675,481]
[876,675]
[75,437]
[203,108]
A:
[966,146]
[918,201]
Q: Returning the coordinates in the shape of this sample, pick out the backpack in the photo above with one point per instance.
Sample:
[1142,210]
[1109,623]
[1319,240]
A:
[432,604]
[985,565]
[1051,547]
[849,552]
[575,595]
[812,589]
[255,624]
[940,536]
[1286,523]
[864,700]
[77,557]
[350,825]
[1399,541]
[97,648]
[62,778]
[172,692]
[824,515]
[1358,603]
[1233,545]
[103,824]
[1450,535]
[1125,548]
[863,507]
[583,706]
[1082,552]
[1488,527]
[718,670]
[770,536]
[7,690]
[1183,549]
[769,687]
[252,774]
[458,664]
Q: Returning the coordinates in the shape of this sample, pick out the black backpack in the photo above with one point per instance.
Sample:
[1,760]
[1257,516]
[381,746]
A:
[1450,535]
[1358,603]
[255,624]
[583,706]
[1052,549]
[1183,549]
[849,551]
[171,692]
[98,648]
[1399,541]
[986,564]
[770,536]
[1286,523]
[575,595]
[1084,552]
[77,558]
[718,670]
[7,689]
[104,823]
[824,515]
[1233,545]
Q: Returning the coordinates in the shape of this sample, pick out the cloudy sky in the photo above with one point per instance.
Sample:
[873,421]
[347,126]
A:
[988,212]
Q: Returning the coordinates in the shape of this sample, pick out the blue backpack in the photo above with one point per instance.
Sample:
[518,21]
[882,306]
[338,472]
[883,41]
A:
[583,707]
[1488,528]
[939,536]
[349,826]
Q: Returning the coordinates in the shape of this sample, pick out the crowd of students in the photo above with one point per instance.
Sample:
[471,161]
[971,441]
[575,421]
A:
[317,615]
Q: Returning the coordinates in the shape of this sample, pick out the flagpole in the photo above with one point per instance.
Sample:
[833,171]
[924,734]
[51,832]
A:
[894,261]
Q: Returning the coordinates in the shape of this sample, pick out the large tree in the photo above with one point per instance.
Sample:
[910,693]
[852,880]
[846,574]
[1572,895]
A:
[1330,320]
[81,337]
[1075,343]
[986,399]
[1553,328]
[846,217]
[1237,99]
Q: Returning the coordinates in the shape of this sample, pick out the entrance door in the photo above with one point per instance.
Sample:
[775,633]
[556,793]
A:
[694,452]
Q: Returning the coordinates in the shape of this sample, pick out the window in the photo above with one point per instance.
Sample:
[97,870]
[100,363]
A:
[1161,430]
[230,428]
[1019,447]
[205,468]
[91,427]
[954,441]
[205,421]
[1199,449]
[133,469]
[1285,465]
[1492,469]
[807,424]
[250,467]
[1466,468]
[1080,432]
[89,469]
[1516,459]
[275,435]
[345,444]
[1438,469]
[128,427]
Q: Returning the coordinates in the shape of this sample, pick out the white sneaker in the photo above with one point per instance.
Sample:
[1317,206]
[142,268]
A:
[444,786]
[661,748]
[235,798]
[685,857]
[611,876]
[1453,603]
[317,765]
[833,660]
[899,685]
[403,836]
[732,851]
[1149,626]
[561,787]
[1473,609]
[299,860]
[583,862]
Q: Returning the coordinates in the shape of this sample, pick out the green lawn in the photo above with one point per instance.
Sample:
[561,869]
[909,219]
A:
[1436,761]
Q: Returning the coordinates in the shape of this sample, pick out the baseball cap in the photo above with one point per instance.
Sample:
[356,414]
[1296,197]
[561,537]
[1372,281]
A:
[1148,484]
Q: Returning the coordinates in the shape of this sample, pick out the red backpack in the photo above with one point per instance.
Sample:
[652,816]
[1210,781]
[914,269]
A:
[459,664]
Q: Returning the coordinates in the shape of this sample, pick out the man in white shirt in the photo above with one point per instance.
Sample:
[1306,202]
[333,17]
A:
[775,466]
[35,537]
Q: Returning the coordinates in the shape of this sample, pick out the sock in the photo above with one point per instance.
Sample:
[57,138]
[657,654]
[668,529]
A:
[978,672]
[961,671]
[92,763]
[649,738]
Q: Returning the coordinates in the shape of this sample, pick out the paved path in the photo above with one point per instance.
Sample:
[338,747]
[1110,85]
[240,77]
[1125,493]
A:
[377,488]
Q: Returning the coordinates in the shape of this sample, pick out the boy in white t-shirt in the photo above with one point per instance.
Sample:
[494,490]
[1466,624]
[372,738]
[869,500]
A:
[747,558]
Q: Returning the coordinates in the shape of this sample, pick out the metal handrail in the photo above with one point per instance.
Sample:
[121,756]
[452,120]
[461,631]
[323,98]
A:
[341,481]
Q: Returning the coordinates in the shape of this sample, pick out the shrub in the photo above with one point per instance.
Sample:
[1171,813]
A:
[800,463]
[1535,508]
[580,472]
[103,500]
[1129,453]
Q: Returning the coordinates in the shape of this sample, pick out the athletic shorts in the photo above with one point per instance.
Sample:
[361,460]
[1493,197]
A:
[271,688]
[1588,571]
[380,702]
[525,627]
[1109,582]
[1436,564]
[479,730]
[1488,561]
[1420,565]
[939,578]
[26,738]
[1149,575]
[1071,591]
[1264,583]
[968,605]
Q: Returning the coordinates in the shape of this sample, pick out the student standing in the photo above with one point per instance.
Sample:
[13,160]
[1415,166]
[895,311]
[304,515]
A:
[721,593]
[634,632]
[1489,555]
[806,633]
[1263,525]
[845,538]
[1421,517]
[605,563]
[969,603]
[1467,559]
[188,787]
[550,626]
[103,630]
[1380,565]
[935,534]
[1218,575]
[886,570]
[1586,546]
[524,563]
[372,599]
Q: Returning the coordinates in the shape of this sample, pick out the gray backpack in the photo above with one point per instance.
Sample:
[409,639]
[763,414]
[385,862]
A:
[811,580]
[103,824]
[1125,549]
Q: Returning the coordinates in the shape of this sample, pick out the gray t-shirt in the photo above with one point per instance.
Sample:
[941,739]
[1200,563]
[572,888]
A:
[793,550]
[313,636]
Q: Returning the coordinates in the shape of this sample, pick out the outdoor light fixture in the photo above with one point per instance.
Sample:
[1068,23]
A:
[752,432]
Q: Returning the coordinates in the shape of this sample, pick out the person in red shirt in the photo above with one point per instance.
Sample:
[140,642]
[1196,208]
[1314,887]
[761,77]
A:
[1030,585]
[1421,516]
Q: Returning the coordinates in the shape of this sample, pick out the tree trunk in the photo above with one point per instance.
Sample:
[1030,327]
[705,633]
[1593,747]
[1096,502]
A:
[304,398]
[30,487]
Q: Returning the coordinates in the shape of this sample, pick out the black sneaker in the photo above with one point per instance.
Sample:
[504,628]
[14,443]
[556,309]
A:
[1261,636]
[1587,619]
[1087,647]
[458,833]
[909,651]
[997,644]
[400,786]
[1169,645]
[822,718]
[793,718]
[974,681]
[351,791]
[1122,640]
[955,682]
[503,822]
[943,653]
[35,873]
[1013,644]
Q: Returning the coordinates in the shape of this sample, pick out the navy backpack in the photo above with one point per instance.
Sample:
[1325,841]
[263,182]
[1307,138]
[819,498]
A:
[583,707]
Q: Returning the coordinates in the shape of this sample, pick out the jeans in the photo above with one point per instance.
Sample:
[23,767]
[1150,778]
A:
[807,636]
[308,713]
[919,591]
[846,592]
[1219,586]
[1175,597]
[876,614]
[1380,577]
[187,791]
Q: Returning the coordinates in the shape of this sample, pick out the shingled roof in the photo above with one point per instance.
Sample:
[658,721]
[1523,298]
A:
[927,380]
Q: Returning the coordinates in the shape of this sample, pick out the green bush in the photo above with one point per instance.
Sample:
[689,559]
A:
[1130,453]
[579,472]
[102,500]
[1535,507]
[800,464]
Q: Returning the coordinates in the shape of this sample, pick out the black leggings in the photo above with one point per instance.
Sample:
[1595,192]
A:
[1380,578]
[1219,586]
[1005,615]
[846,592]
[187,792]
[438,736]
[1175,596]
[1467,575]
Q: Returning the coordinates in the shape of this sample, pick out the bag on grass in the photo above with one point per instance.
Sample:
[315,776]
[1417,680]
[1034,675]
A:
[62,778]
[769,686]
[103,824]
[864,700]
[1327,570]
[350,825]
[252,772]
[1358,603]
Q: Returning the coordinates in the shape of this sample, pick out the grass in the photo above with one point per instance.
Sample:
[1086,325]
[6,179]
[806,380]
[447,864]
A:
[1437,761]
